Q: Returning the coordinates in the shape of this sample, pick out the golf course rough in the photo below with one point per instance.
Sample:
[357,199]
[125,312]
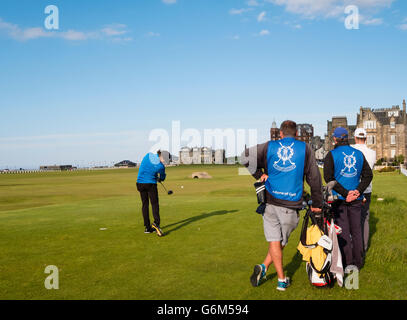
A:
[89,225]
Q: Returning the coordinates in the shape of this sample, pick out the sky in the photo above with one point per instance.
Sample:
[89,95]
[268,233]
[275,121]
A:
[92,91]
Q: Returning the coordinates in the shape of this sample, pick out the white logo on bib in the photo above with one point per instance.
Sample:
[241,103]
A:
[350,162]
[284,163]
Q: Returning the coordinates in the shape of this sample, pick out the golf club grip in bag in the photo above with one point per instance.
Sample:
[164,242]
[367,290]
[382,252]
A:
[261,197]
[261,192]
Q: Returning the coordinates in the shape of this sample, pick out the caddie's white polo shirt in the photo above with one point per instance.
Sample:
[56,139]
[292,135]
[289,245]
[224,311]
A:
[370,156]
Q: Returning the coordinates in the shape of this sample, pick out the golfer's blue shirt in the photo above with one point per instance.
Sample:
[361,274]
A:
[150,167]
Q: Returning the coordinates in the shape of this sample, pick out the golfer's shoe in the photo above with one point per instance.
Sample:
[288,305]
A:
[259,274]
[149,230]
[157,228]
[283,285]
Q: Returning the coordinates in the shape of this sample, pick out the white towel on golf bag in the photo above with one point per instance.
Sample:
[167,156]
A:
[336,264]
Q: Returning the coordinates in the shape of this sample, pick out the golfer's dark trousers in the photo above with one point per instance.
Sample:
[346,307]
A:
[349,217]
[148,191]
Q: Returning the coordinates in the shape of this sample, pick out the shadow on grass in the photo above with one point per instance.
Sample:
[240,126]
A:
[185,222]
[290,269]
[373,220]
[294,264]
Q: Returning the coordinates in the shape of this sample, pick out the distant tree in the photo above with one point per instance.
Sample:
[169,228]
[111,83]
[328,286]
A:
[399,160]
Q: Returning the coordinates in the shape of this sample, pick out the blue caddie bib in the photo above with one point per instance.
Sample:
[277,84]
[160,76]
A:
[348,165]
[285,166]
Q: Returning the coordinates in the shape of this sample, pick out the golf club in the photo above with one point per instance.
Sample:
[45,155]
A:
[168,192]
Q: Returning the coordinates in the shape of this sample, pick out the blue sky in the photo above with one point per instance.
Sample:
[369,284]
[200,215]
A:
[92,91]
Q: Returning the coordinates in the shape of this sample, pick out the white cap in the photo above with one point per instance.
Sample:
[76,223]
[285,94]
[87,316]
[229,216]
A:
[360,133]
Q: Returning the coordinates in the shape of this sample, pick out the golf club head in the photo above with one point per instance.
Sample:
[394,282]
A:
[170,192]
[330,186]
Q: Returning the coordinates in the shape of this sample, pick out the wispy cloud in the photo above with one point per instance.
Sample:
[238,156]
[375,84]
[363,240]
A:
[115,29]
[262,16]
[152,34]
[312,9]
[110,32]
[264,32]
[239,11]
[371,21]
[169,1]
[403,26]
[253,3]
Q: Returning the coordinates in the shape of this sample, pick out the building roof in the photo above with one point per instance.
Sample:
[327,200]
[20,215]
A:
[124,163]
[382,114]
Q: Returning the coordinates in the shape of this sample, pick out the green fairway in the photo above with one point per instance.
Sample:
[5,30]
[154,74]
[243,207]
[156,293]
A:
[213,239]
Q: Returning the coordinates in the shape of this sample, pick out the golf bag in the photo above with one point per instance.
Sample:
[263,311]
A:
[319,277]
[317,243]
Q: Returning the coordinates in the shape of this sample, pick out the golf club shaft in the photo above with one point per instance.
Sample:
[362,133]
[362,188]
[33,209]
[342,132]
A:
[164,187]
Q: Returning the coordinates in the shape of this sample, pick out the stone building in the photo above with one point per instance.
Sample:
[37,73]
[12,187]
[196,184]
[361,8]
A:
[185,155]
[386,130]
[305,132]
[196,155]
[220,156]
[332,125]
[204,155]
[207,155]
[317,143]
[274,132]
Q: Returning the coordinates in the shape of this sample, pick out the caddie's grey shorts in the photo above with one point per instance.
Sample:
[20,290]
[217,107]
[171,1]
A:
[279,222]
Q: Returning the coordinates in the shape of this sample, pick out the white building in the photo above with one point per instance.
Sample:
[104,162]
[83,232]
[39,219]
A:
[220,156]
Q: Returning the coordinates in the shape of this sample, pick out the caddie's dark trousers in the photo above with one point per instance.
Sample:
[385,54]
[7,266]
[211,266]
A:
[349,218]
[149,191]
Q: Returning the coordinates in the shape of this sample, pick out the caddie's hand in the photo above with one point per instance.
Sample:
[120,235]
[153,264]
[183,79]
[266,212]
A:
[316,210]
[352,196]
[264,178]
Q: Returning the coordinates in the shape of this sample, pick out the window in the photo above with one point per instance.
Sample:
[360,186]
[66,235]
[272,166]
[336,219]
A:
[393,154]
[369,124]
[393,139]
[370,140]
[392,125]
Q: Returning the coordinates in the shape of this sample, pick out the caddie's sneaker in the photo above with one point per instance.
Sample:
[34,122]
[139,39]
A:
[160,233]
[283,285]
[259,273]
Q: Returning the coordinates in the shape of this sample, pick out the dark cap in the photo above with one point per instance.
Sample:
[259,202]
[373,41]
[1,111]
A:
[340,133]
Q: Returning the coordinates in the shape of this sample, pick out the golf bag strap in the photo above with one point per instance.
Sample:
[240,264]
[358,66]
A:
[303,236]
[324,270]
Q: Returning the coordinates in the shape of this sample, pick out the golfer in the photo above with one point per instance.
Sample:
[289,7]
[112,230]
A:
[152,170]
[370,156]
[349,168]
[282,165]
